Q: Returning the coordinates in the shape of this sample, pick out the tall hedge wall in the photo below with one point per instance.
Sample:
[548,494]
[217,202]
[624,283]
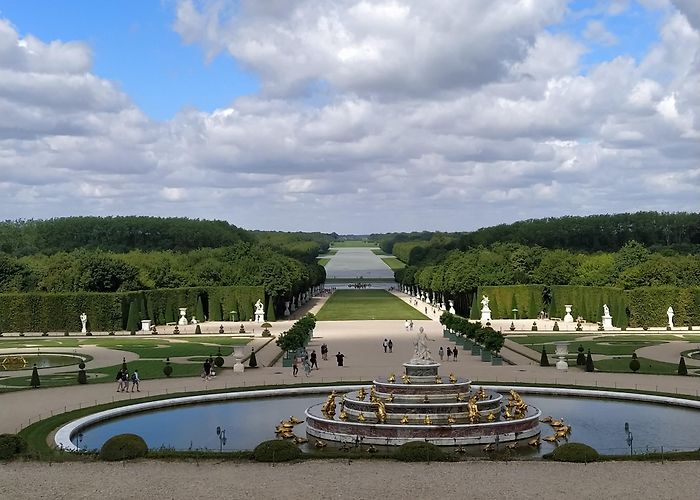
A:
[38,312]
[648,306]
[587,302]
[527,299]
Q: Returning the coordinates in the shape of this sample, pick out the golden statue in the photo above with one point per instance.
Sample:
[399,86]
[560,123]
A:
[451,420]
[391,397]
[373,395]
[474,415]
[438,379]
[343,415]
[453,378]
[361,394]
[460,398]
[404,419]
[381,412]
[492,417]
[391,378]
[361,417]
[328,408]
[482,394]
[406,379]
[427,420]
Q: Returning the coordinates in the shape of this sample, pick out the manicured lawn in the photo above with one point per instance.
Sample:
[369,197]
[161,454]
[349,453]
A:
[606,345]
[393,262]
[346,305]
[323,262]
[647,366]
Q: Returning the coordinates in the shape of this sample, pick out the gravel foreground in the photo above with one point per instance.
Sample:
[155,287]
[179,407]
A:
[150,479]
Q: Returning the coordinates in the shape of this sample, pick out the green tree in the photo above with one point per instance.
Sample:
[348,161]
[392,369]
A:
[634,363]
[544,360]
[682,369]
[557,267]
[589,362]
[35,382]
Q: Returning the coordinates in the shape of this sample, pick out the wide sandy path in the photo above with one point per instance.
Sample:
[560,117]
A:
[356,480]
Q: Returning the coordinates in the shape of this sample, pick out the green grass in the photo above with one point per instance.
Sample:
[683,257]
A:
[346,305]
[148,370]
[353,244]
[393,262]
[604,345]
[647,366]
[323,262]
[379,251]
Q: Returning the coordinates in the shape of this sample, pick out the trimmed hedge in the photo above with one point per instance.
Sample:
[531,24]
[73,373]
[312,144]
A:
[588,302]
[276,450]
[648,306]
[11,445]
[38,312]
[573,452]
[527,299]
[123,447]
[419,451]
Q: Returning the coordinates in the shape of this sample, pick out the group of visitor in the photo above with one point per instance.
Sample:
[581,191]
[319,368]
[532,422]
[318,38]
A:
[388,345]
[123,379]
[408,324]
[451,354]
[208,369]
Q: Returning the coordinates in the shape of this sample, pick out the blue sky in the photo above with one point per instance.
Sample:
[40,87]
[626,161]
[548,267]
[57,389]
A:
[353,116]
[133,43]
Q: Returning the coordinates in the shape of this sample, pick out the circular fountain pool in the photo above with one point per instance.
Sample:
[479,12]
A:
[597,422]
[26,361]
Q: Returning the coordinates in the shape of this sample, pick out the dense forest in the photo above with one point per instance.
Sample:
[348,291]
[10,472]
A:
[671,234]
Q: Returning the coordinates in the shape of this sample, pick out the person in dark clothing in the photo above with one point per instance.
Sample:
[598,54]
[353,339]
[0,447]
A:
[207,370]
[312,358]
[385,345]
[390,345]
[454,354]
[449,353]
[339,357]
[324,352]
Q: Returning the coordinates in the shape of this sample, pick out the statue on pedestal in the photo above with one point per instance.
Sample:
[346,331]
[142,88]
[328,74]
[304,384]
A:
[259,311]
[83,320]
[669,313]
[421,352]
[485,310]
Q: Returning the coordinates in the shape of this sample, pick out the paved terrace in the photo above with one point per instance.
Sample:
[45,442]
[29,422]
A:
[361,342]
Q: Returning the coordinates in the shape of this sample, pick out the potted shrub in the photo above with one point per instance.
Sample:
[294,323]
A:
[167,369]
[581,358]
[82,375]
[534,326]
[266,329]
[634,363]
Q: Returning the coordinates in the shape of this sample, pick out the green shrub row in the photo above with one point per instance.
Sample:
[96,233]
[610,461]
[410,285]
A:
[588,302]
[527,299]
[11,445]
[38,312]
[276,450]
[298,335]
[487,337]
[648,306]
[123,447]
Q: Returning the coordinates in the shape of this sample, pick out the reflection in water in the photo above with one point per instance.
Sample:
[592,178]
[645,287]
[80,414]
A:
[598,423]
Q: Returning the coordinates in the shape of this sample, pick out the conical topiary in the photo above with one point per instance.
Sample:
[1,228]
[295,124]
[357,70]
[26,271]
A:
[199,309]
[544,360]
[133,321]
[634,364]
[555,327]
[198,330]
[253,362]
[35,382]
[581,358]
[589,362]
[124,364]
[167,369]
[682,370]
[82,375]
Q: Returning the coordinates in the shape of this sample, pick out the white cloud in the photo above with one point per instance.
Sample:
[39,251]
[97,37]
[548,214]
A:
[374,116]
[597,32]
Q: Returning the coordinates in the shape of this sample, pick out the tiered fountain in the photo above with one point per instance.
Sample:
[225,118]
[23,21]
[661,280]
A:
[420,405]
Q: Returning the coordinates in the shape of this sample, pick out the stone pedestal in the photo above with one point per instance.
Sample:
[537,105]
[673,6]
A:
[607,322]
[145,325]
[568,318]
[485,315]
[183,316]
[561,350]
[259,317]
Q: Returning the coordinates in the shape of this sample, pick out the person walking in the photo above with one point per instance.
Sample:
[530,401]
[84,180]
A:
[125,380]
[135,381]
[410,325]
[207,369]
[449,353]
[390,345]
[441,353]
[454,354]
[314,362]
[120,384]
[307,366]
[339,358]
[385,346]
[324,352]
[405,324]
[295,366]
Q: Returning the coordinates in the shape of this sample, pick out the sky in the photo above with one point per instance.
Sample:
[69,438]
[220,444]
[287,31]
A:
[349,116]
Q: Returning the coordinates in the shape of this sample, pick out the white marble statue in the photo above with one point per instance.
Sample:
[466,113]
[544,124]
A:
[606,311]
[669,313]
[83,320]
[421,353]
[607,319]
[568,318]
[194,320]
[485,311]
[259,312]
[485,302]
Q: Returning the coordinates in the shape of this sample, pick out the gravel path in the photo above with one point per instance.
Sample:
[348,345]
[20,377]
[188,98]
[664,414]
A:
[356,480]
